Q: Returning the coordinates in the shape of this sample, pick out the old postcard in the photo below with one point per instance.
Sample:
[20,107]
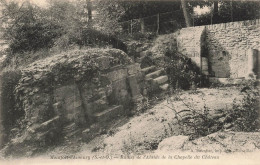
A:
[129,82]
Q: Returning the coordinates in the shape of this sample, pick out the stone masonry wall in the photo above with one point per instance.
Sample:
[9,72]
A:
[229,45]
[190,41]
[222,48]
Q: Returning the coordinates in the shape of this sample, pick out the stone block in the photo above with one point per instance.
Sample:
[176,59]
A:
[70,100]
[64,92]
[117,74]
[173,143]
[47,124]
[154,74]
[161,79]
[134,87]
[143,54]
[120,93]
[164,87]
[96,106]
[108,114]
[133,69]
[148,69]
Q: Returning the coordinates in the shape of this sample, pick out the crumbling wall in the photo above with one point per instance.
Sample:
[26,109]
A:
[79,87]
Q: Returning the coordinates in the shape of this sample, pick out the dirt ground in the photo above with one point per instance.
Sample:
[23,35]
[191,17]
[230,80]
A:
[142,133]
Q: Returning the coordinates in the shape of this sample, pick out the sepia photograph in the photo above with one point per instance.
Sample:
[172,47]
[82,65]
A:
[130,82]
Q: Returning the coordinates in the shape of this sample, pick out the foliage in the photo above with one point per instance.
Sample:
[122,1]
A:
[245,116]
[193,122]
[25,30]
[238,10]
[110,12]
[32,31]
[138,9]
[228,11]
[33,37]
[203,19]
[181,71]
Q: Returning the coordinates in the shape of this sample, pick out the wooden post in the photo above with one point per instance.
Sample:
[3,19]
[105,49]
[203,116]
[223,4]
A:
[142,25]
[231,4]
[211,15]
[89,8]
[131,26]
[158,23]
[193,19]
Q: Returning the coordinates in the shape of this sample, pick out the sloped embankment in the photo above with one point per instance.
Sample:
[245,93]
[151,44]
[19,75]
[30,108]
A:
[142,134]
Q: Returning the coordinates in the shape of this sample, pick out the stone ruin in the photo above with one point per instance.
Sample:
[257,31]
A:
[77,91]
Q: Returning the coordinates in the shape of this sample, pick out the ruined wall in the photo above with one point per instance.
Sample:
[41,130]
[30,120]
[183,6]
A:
[229,45]
[190,43]
[79,87]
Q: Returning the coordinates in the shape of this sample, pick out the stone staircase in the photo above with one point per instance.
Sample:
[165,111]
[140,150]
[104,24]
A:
[156,77]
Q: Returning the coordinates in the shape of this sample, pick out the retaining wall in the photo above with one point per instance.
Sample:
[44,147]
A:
[227,46]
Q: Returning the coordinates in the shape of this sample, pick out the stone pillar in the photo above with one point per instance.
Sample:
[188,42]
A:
[134,87]
[252,63]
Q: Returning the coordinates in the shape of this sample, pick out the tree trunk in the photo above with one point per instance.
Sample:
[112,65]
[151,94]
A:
[215,12]
[89,8]
[186,14]
[142,25]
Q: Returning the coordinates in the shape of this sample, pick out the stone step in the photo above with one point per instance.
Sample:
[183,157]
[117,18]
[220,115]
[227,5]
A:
[113,112]
[148,69]
[73,133]
[98,105]
[164,87]
[161,79]
[154,74]
[69,128]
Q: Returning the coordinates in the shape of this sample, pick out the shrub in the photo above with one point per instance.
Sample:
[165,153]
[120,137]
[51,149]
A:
[245,116]
[181,71]
[33,36]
